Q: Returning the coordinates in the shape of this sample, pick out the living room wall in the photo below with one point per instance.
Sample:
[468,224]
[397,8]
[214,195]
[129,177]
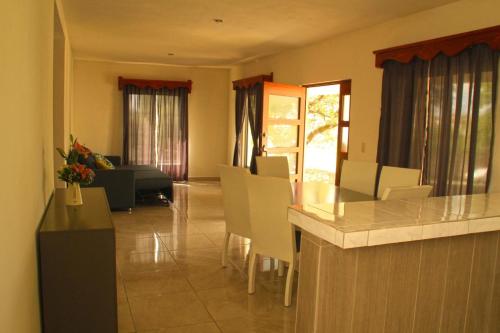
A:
[350,56]
[26,144]
[98,108]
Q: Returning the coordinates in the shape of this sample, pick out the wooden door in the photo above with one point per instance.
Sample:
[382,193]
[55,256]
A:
[283,124]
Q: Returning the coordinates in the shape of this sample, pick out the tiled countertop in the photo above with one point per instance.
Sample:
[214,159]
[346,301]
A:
[368,223]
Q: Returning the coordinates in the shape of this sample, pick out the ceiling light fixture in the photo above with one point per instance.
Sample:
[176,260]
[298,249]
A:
[218,20]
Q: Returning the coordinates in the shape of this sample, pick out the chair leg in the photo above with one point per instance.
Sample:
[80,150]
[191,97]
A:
[225,248]
[289,284]
[281,268]
[252,265]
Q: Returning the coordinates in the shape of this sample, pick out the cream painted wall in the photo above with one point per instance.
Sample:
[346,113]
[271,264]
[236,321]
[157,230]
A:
[350,56]
[66,66]
[26,143]
[98,108]
[59,96]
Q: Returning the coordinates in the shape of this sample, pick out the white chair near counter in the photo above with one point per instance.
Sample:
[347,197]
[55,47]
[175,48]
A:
[273,166]
[359,176]
[406,192]
[396,177]
[235,201]
[272,235]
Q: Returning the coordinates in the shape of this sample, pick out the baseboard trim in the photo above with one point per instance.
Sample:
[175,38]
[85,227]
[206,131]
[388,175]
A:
[204,179]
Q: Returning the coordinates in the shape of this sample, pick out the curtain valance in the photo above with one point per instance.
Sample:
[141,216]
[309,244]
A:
[251,81]
[449,46]
[154,84]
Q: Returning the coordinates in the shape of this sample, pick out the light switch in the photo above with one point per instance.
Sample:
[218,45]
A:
[363,147]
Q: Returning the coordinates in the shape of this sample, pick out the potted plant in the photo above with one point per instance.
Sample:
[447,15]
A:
[74,173]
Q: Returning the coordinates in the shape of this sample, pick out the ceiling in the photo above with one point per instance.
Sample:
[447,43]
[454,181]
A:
[148,30]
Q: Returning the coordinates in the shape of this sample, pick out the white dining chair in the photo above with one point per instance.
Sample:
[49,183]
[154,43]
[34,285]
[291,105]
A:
[235,201]
[406,192]
[359,176]
[396,177]
[272,234]
[273,166]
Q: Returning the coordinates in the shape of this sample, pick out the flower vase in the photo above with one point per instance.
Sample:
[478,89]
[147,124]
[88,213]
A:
[74,195]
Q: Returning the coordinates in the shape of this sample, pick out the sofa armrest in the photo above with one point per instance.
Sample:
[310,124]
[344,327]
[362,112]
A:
[115,159]
[119,185]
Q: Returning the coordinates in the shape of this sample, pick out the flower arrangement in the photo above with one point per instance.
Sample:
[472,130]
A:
[74,172]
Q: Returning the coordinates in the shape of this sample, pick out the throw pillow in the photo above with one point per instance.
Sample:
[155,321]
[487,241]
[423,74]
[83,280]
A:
[102,162]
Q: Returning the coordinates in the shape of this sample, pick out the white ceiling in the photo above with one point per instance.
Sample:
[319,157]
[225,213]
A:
[147,30]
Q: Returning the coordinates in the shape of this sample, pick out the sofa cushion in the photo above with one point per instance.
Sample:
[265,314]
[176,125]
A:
[149,178]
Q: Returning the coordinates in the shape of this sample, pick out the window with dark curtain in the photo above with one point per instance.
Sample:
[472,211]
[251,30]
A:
[438,116]
[248,126]
[156,129]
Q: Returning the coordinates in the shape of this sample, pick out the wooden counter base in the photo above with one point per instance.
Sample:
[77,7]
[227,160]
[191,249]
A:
[449,284]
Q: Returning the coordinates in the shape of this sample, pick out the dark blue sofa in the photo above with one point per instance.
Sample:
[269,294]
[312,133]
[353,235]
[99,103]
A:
[124,182]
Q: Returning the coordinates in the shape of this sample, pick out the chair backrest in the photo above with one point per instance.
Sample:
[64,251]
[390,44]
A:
[396,177]
[272,234]
[359,176]
[235,198]
[406,192]
[273,166]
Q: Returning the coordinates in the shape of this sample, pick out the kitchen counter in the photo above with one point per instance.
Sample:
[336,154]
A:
[419,265]
[368,223]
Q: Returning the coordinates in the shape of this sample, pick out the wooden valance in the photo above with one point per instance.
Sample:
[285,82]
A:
[154,84]
[449,45]
[250,81]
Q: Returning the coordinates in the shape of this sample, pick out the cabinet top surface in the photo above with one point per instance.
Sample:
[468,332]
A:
[94,214]
[358,224]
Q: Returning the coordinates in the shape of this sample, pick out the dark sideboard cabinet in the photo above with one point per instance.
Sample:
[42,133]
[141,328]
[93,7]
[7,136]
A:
[77,265]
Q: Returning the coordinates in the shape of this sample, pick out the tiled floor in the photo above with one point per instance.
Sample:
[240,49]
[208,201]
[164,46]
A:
[169,275]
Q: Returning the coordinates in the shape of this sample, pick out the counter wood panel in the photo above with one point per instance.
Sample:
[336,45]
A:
[445,284]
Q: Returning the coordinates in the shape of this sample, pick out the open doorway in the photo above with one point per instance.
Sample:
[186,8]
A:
[326,131]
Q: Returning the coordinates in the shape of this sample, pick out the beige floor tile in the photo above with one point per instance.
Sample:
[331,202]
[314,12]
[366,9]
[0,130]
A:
[145,262]
[164,253]
[204,213]
[197,258]
[198,328]
[125,322]
[121,296]
[257,324]
[137,228]
[176,228]
[176,217]
[164,311]
[186,241]
[218,239]
[210,277]
[155,283]
[234,301]
[154,210]
[132,244]
[211,226]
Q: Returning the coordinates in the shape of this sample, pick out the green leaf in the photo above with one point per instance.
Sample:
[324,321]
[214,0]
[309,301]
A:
[61,152]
